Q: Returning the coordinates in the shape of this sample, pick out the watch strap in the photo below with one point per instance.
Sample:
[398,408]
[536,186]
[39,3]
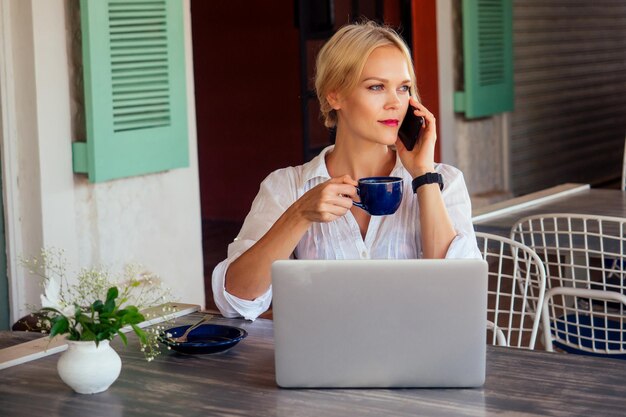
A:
[428,178]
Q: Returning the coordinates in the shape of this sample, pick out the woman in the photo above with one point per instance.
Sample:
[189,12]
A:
[365,82]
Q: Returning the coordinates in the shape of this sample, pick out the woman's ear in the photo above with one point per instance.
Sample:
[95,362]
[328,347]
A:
[334,100]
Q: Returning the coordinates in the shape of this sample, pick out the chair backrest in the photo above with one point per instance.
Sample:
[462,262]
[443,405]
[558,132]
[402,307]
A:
[584,260]
[516,290]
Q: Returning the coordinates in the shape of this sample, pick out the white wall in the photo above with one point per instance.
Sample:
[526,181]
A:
[477,147]
[153,219]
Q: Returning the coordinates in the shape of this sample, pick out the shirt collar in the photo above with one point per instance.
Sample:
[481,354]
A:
[317,167]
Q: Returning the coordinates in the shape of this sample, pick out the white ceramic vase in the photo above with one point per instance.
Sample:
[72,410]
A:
[88,368]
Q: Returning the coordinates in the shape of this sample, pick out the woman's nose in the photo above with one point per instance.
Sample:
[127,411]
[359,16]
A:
[393,100]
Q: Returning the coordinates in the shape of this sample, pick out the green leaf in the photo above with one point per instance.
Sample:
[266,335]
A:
[74,335]
[60,326]
[88,332]
[87,335]
[104,334]
[109,306]
[112,294]
[98,306]
[140,333]
[123,337]
[132,318]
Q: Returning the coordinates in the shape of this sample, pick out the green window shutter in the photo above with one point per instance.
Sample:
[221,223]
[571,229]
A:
[487,58]
[135,90]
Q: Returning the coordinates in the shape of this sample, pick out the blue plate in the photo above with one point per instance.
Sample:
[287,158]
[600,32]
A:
[206,338]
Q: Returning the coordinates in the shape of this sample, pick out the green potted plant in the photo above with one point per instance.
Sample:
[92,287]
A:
[96,307]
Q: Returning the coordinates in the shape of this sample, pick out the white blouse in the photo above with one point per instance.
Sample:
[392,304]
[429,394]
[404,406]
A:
[396,236]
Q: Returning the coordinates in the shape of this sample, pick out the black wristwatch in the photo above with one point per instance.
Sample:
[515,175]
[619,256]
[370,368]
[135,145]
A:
[428,178]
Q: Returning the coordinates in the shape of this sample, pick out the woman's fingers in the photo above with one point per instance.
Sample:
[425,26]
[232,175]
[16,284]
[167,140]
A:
[341,195]
[348,190]
[337,210]
[421,110]
[345,179]
[330,200]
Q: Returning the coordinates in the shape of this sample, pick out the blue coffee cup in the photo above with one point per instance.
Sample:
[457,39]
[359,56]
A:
[380,196]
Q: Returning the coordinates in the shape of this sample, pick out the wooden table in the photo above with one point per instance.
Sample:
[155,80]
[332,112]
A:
[567,198]
[240,382]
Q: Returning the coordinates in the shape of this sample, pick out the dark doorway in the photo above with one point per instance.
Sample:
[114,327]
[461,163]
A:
[246,70]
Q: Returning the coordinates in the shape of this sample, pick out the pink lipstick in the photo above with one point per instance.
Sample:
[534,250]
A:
[390,122]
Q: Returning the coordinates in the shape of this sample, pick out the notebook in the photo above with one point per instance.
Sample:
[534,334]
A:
[380,323]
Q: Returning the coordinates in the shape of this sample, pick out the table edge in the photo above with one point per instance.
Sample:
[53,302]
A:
[539,197]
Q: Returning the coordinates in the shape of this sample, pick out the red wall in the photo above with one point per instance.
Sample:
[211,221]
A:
[425,58]
[246,68]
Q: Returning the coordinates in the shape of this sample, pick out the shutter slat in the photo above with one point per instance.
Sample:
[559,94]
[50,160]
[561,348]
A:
[142,124]
[139,88]
[123,119]
[151,57]
[124,24]
[139,16]
[140,95]
[160,35]
[124,110]
[120,104]
[143,30]
[137,66]
[158,81]
[133,73]
[127,43]
[120,53]
[135,7]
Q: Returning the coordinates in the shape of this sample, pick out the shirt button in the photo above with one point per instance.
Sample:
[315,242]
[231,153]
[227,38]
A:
[363,255]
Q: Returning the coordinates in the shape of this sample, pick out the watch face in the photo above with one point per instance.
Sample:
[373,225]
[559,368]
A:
[431,178]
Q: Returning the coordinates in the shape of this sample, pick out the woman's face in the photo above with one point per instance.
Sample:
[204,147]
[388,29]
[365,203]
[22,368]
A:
[374,110]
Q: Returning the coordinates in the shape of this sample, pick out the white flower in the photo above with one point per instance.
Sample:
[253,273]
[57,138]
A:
[51,298]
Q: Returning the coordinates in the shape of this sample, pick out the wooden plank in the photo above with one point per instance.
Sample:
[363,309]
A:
[539,197]
[44,346]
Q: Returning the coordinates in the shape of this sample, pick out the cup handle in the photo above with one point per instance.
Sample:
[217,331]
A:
[359,205]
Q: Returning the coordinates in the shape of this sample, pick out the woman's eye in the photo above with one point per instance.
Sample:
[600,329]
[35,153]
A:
[405,88]
[377,87]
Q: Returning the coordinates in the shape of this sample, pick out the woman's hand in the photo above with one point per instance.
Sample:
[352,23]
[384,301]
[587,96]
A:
[422,158]
[327,201]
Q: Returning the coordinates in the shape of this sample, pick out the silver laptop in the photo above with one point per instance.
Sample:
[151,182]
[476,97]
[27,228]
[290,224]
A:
[380,323]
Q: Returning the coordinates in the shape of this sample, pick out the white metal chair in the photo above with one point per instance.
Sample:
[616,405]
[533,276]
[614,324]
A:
[585,296]
[516,290]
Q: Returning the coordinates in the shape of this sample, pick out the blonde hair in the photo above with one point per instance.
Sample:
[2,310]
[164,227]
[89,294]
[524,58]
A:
[341,60]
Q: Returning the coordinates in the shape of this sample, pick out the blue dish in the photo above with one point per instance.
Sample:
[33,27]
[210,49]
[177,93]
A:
[206,338]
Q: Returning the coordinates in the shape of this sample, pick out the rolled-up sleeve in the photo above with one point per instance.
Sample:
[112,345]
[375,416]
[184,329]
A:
[459,206]
[273,199]
[230,305]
